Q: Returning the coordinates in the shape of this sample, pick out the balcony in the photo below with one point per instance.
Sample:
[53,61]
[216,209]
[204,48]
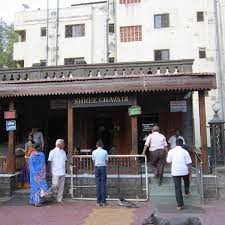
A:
[94,70]
[19,52]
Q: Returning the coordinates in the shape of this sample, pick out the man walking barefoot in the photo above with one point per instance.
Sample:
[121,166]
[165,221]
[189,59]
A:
[100,158]
[57,158]
[181,161]
[158,149]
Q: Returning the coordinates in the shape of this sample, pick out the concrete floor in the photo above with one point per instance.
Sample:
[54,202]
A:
[18,212]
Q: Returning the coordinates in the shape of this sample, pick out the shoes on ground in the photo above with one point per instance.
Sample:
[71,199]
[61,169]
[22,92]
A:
[123,202]
[120,203]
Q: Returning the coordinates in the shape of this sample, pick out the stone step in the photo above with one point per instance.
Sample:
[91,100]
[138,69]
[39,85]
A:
[194,197]
[166,188]
[21,193]
[167,179]
[167,204]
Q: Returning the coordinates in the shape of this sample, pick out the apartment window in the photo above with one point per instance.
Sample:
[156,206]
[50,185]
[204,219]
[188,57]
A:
[200,16]
[112,28]
[161,20]
[74,61]
[43,31]
[42,62]
[202,53]
[162,55]
[77,30]
[131,33]
[111,59]
[129,1]
[22,35]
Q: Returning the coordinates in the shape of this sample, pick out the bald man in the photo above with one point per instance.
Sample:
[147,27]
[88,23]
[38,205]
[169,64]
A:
[157,145]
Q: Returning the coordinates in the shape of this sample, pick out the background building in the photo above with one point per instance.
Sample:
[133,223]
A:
[128,31]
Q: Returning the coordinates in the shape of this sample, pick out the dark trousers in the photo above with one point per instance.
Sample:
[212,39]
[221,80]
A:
[178,189]
[157,162]
[100,180]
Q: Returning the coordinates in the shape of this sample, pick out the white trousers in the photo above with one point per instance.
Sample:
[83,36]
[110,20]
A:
[58,186]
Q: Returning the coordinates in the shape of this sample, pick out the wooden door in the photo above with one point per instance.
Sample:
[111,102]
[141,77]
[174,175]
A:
[169,122]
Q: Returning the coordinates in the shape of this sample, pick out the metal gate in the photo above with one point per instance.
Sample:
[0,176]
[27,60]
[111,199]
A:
[127,177]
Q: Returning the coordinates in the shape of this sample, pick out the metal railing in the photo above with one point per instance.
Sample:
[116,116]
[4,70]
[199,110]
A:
[199,175]
[96,70]
[119,168]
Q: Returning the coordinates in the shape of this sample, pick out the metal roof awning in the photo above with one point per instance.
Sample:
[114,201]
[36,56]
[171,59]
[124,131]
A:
[109,84]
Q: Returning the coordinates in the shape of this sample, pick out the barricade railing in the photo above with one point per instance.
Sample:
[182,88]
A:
[121,169]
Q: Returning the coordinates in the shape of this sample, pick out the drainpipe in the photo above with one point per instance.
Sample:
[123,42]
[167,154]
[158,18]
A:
[47,32]
[57,34]
[115,25]
[107,32]
[219,55]
[92,34]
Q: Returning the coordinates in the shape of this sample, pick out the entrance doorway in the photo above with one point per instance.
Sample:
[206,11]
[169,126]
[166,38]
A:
[110,124]
[145,124]
[56,128]
[104,130]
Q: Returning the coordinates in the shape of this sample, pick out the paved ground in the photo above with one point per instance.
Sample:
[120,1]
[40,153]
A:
[18,212]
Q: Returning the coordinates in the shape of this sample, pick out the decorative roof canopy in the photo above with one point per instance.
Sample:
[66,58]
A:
[104,78]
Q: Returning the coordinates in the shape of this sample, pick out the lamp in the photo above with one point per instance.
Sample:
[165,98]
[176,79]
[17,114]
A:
[216,107]
[216,119]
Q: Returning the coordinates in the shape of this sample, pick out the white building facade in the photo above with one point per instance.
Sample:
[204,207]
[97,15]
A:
[127,31]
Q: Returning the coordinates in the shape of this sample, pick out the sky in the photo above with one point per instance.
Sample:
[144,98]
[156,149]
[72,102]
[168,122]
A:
[9,7]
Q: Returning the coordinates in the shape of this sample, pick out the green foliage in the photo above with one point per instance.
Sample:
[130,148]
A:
[7,38]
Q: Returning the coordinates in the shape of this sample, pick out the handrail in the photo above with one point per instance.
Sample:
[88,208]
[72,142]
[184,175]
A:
[198,156]
[199,176]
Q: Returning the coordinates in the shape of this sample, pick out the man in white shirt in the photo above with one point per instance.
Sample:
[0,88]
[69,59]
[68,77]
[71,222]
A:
[181,161]
[158,149]
[57,158]
[173,138]
[100,158]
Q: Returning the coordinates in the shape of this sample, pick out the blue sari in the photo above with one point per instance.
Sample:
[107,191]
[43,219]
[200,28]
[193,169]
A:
[37,176]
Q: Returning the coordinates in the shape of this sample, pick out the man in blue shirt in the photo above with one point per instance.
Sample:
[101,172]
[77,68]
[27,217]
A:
[100,157]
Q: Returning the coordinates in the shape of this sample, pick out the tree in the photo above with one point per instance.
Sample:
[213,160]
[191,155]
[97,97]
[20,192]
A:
[7,38]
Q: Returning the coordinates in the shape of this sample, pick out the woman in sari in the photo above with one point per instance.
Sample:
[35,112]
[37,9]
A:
[24,180]
[38,183]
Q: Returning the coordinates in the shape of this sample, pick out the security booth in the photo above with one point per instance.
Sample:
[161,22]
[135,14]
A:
[118,103]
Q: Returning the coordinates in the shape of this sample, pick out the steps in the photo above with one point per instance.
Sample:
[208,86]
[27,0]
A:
[21,193]
[165,193]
